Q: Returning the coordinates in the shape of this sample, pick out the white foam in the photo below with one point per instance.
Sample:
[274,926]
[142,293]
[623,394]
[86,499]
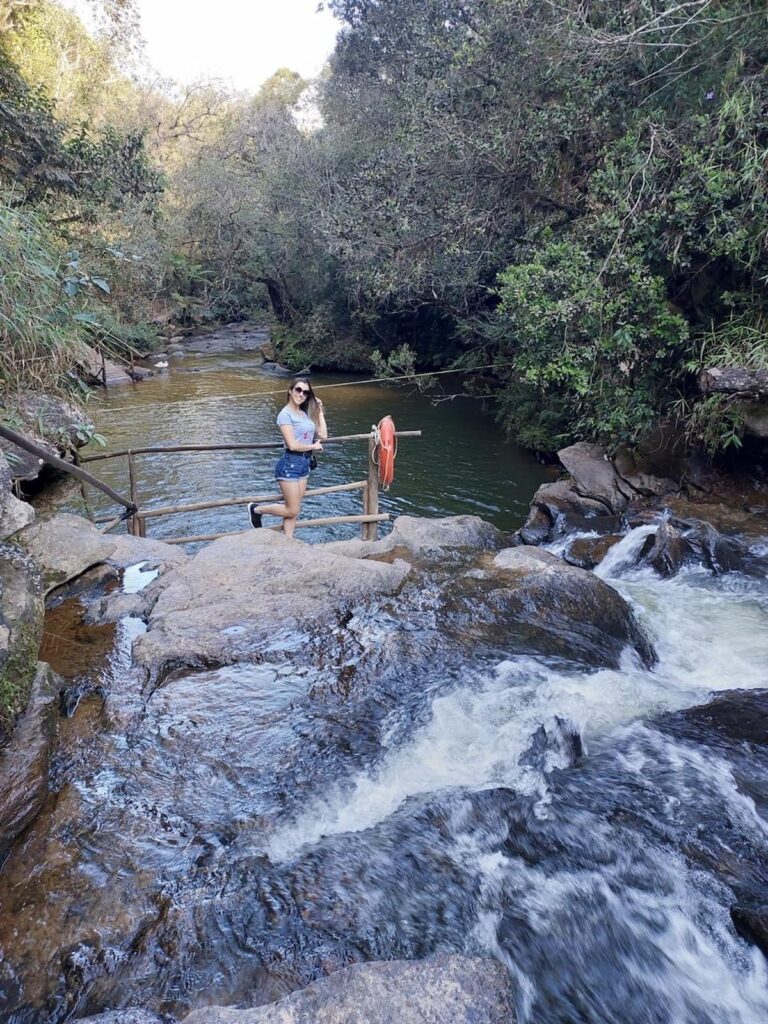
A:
[134,579]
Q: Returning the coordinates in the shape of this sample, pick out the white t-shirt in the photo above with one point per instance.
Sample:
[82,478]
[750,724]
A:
[303,427]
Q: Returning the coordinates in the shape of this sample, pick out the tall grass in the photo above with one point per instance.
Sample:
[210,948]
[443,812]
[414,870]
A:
[39,330]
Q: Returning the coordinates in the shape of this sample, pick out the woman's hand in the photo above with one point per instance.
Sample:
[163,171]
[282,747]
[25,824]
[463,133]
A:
[317,447]
[320,405]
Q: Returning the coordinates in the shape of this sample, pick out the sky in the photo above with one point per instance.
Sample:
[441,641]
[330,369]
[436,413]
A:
[241,42]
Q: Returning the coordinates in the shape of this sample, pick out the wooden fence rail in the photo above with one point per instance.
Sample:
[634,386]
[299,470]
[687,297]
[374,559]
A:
[369,519]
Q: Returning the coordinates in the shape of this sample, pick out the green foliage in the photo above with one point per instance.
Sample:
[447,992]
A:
[593,342]
[39,325]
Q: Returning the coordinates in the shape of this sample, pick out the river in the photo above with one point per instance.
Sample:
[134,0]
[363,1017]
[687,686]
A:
[461,464]
[243,830]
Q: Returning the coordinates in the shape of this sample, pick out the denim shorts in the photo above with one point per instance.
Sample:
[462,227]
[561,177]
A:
[292,466]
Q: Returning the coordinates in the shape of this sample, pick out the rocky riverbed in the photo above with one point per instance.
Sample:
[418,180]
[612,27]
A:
[443,776]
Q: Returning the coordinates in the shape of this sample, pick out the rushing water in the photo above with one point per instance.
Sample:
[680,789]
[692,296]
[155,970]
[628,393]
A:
[461,464]
[243,830]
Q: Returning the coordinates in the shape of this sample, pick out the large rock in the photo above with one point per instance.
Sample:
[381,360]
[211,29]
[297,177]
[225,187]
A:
[248,339]
[14,514]
[594,475]
[128,550]
[65,546]
[21,629]
[556,608]
[57,421]
[441,990]
[557,508]
[253,594]
[451,535]
[640,473]
[24,762]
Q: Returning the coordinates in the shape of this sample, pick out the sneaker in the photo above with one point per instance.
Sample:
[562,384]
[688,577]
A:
[254,516]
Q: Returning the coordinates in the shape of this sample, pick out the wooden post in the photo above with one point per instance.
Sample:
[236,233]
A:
[372,490]
[364,527]
[83,491]
[103,368]
[133,524]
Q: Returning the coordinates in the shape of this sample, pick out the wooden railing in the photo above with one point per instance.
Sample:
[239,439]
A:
[137,522]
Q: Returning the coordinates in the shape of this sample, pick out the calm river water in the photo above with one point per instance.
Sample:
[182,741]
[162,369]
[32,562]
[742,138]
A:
[461,464]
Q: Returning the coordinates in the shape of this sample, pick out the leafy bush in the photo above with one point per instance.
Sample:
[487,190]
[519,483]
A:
[593,348]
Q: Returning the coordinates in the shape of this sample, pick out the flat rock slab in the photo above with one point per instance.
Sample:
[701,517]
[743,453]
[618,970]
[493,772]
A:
[417,536]
[229,341]
[65,546]
[128,550]
[252,594]
[441,990]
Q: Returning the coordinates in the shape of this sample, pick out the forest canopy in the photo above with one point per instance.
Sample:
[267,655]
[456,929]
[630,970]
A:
[573,193]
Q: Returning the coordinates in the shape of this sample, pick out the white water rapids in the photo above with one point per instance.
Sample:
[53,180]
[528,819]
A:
[710,635]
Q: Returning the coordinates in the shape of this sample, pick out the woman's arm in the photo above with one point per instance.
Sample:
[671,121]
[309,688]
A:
[293,445]
[322,429]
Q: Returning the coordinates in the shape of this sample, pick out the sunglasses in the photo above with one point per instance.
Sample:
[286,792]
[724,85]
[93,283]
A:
[302,391]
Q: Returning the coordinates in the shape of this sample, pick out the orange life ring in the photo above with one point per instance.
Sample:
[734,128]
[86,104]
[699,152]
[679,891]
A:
[387,451]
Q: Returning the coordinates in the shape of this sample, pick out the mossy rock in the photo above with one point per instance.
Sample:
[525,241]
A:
[21,630]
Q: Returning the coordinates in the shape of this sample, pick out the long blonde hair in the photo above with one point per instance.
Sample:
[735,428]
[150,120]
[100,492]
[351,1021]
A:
[309,405]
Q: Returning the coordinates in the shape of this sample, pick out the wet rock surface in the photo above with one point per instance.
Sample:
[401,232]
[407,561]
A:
[441,990]
[256,594]
[452,537]
[411,769]
[558,608]
[25,760]
[123,1017]
[21,626]
[65,546]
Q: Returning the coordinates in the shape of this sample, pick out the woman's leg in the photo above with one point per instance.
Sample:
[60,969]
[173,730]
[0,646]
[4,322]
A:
[293,492]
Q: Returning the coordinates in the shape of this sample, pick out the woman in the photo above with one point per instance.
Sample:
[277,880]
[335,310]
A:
[300,421]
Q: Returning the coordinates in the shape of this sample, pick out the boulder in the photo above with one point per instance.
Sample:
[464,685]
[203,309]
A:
[24,762]
[21,629]
[23,464]
[594,475]
[128,550]
[442,990]
[666,551]
[588,552]
[450,536]
[452,533]
[254,594]
[14,514]
[55,420]
[734,380]
[221,341]
[65,546]
[639,472]
[751,922]
[558,508]
[555,608]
